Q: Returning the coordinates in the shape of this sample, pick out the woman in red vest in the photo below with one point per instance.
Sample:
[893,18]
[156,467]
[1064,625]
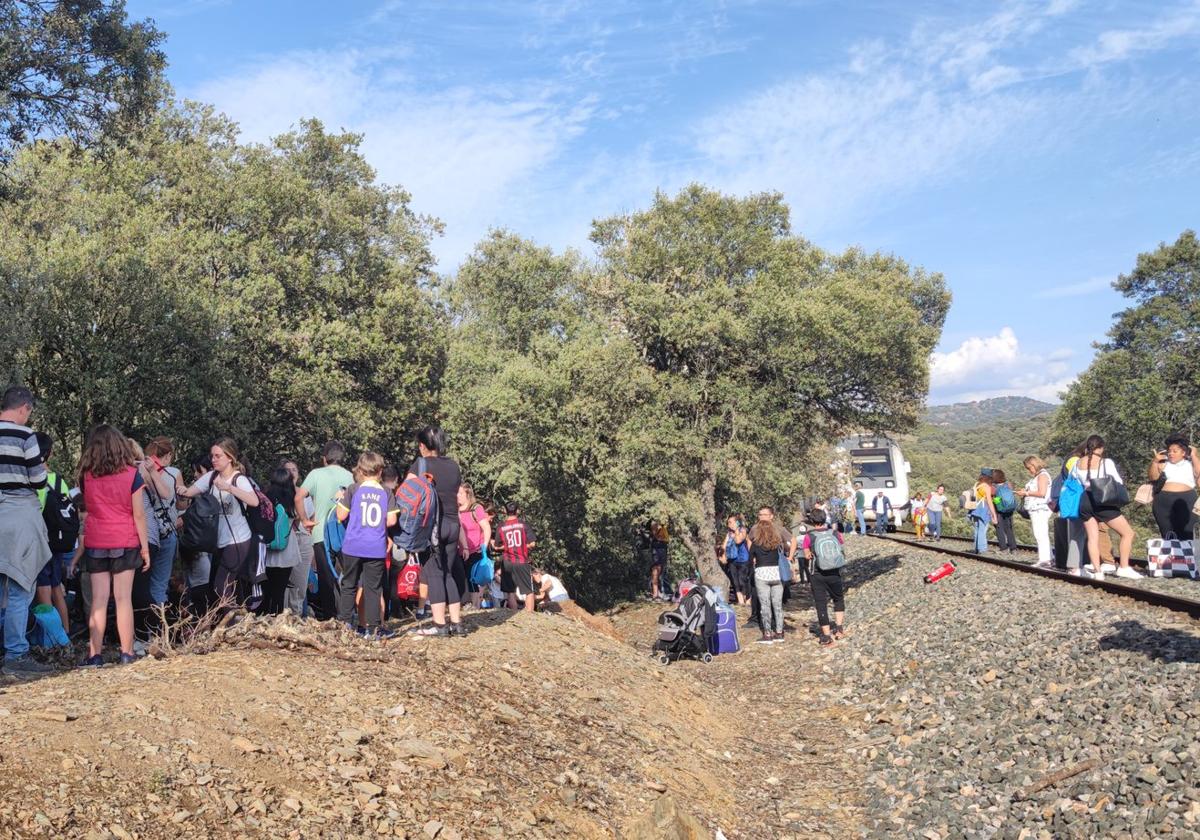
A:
[114,534]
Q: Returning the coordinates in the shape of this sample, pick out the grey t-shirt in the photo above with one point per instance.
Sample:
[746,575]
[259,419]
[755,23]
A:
[936,502]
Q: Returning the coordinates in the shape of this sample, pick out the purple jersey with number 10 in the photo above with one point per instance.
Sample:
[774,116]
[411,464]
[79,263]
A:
[366,526]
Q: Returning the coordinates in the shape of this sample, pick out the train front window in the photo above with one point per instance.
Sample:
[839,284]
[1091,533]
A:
[872,465]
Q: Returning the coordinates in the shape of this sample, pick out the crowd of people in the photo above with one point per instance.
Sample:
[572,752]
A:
[129,525]
[129,534]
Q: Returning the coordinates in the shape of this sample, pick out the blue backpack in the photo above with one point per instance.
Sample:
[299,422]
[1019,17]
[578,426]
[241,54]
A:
[1069,498]
[1005,500]
[416,526]
[335,533]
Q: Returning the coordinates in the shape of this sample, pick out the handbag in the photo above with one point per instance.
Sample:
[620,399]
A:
[1069,498]
[785,568]
[1144,494]
[1107,492]
[1171,557]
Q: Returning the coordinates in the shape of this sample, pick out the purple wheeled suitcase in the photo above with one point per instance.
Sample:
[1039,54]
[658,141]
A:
[725,640]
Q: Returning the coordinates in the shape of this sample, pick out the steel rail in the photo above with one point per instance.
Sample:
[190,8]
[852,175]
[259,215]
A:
[1146,596]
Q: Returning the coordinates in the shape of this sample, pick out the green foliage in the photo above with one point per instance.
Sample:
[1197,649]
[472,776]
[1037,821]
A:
[189,285]
[1145,381]
[695,368]
[75,68]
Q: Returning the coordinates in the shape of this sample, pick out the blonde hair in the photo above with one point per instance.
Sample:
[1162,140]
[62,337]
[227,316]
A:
[1035,462]
[470,493]
[370,465]
[136,449]
[229,446]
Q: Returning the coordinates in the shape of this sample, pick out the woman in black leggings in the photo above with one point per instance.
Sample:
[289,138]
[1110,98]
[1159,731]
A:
[1176,470]
[444,573]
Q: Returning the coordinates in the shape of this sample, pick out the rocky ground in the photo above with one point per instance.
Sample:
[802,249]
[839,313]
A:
[952,711]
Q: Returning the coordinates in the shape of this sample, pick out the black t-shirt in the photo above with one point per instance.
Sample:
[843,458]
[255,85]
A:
[765,556]
[446,478]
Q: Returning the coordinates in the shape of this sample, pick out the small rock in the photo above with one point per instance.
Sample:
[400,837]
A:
[432,829]
[661,788]
[368,788]
[245,744]
[990,676]
[396,711]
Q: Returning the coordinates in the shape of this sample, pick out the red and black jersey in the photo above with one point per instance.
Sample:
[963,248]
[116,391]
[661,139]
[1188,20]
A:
[514,537]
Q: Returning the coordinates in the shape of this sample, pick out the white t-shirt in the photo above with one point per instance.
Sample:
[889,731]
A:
[1033,503]
[936,502]
[1180,473]
[232,527]
[556,587]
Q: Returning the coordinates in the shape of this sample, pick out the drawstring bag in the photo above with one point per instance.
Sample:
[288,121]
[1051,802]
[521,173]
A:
[48,630]
[483,570]
[1069,498]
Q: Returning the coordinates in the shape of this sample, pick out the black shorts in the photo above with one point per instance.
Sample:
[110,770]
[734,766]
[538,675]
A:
[1087,510]
[517,578]
[658,554]
[127,560]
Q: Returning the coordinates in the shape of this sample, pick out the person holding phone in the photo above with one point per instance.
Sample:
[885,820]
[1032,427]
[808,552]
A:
[1174,471]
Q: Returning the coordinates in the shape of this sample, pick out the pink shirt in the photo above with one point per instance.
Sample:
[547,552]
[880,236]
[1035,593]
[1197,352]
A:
[471,522]
[109,503]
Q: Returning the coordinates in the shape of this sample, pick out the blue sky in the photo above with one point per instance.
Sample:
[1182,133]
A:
[1027,150]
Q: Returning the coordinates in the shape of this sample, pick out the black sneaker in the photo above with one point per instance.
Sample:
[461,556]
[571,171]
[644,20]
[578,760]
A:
[766,640]
[826,641]
[96,661]
[457,630]
[838,631]
[24,666]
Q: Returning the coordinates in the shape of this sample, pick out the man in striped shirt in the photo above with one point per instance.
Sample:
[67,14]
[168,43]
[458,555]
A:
[24,549]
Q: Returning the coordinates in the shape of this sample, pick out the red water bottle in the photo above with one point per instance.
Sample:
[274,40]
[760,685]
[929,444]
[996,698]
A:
[944,570]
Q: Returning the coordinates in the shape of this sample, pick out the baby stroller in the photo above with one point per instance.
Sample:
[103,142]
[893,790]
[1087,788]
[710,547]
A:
[685,631]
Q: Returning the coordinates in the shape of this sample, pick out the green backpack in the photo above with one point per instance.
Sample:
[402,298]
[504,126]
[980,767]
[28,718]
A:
[283,530]
[826,550]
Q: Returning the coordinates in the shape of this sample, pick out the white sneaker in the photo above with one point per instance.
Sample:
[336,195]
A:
[1108,568]
[1087,572]
[1075,572]
[1126,572]
[1042,565]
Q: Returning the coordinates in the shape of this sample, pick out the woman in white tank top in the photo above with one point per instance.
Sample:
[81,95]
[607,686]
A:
[1174,471]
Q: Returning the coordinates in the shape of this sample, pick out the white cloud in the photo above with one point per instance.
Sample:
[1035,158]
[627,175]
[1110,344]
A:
[1121,44]
[995,365]
[461,152]
[1085,287]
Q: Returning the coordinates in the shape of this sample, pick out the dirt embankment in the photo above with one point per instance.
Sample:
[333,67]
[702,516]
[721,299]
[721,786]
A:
[532,726]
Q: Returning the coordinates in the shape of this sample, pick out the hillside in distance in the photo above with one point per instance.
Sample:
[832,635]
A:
[953,455]
[968,415]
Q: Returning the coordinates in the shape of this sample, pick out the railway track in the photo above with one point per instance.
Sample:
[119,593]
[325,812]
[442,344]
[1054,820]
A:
[1140,591]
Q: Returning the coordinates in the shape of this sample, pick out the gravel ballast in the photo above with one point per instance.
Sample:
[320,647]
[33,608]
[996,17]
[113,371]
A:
[998,704]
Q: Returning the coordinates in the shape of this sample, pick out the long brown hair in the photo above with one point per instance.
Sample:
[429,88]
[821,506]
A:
[106,452]
[765,534]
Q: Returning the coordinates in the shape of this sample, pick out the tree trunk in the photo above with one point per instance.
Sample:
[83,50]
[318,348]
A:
[701,537]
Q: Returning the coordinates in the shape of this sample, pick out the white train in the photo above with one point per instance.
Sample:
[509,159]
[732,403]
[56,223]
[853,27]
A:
[876,463]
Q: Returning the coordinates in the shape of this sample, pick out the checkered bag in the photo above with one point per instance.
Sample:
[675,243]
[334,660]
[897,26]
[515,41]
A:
[1171,558]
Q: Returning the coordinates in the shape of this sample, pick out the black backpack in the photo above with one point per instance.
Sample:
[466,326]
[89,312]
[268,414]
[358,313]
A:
[61,517]
[200,520]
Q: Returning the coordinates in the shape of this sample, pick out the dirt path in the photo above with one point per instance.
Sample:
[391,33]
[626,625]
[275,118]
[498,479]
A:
[532,726]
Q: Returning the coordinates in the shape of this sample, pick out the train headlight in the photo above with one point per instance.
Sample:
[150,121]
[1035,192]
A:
[889,483]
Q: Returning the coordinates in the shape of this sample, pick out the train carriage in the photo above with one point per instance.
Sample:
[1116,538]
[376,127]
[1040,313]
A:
[876,463]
